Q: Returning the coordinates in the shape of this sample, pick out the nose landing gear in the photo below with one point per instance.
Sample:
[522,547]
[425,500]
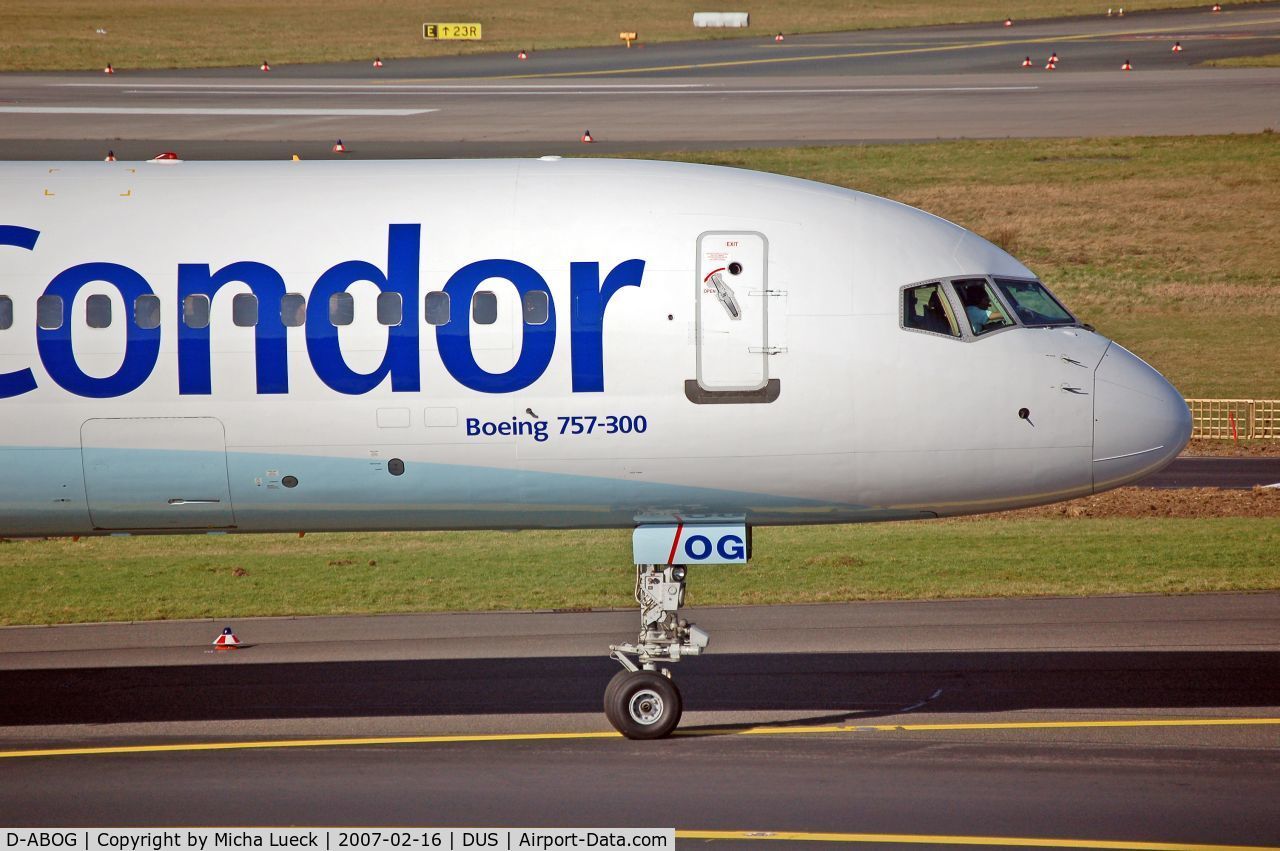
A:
[641,701]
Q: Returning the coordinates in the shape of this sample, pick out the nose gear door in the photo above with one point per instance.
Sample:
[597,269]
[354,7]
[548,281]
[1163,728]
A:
[732,311]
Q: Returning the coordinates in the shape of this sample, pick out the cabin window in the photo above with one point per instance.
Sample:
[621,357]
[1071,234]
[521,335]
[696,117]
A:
[390,308]
[293,310]
[342,309]
[437,308]
[536,307]
[97,311]
[244,310]
[195,311]
[982,307]
[1034,304]
[49,312]
[146,312]
[926,308]
[484,308]
[6,313]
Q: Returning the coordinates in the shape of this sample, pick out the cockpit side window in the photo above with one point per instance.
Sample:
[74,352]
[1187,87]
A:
[982,306]
[1034,304]
[925,308]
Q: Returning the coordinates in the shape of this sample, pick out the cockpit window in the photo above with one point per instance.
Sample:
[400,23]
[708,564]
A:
[981,305]
[926,308]
[1033,303]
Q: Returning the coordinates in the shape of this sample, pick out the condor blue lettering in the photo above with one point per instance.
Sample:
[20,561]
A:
[697,547]
[271,355]
[142,345]
[454,337]
[588,299]
[731,547]
[21,381]
[401,358]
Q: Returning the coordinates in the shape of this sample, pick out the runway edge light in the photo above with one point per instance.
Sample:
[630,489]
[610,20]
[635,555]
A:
[377,62]
[265,66]
[524,54]
[586,137]
[110,157]
[1126,66]
[1026,63]
[778,37]
[1177,47]
[108,69]
[339,148]
[227,640]
[1008,22]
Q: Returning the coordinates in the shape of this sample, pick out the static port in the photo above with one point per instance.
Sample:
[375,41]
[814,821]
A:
[289,481]
[395,467]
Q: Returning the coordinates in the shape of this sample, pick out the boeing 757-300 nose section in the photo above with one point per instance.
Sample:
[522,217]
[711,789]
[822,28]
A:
[1140,421]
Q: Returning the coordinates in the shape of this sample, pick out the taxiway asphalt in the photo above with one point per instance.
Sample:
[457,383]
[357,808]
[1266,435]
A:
[1119,719]
[834,88]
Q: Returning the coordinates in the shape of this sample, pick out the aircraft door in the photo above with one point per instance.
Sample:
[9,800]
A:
[731,311]
[156,473]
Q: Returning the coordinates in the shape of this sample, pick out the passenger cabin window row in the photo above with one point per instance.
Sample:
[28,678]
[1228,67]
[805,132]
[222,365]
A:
[973,307]
[196,310]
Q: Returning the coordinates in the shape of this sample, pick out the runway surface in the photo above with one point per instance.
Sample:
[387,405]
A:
[1120,719]
[1216,472]
[892,85]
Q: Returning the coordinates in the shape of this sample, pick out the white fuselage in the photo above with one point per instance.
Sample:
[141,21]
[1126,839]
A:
[605,380]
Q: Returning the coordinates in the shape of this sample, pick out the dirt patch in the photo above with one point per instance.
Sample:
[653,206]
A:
[1191,503]
[1229,448]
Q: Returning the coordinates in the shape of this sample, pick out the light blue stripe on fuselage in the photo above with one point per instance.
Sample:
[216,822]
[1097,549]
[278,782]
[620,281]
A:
[44,493]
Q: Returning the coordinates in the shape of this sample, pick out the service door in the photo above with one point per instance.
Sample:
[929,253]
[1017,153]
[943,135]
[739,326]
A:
[732,311]
[157,473]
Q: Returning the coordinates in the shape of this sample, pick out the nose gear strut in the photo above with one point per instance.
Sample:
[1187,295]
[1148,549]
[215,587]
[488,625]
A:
[641,701]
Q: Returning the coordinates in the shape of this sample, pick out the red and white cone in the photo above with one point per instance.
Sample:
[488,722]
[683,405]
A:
[586,137]
[108,69]
[377,63]
[1126,66]
[110,157]
[1008,22]
[1051,65]
[265,66]
[1026,63]
[1053,57]
[778,37]
[1216,7]
[339,148]
[522,55]
[226,641]
[1177,47]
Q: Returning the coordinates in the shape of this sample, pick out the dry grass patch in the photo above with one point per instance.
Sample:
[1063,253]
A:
[39,35]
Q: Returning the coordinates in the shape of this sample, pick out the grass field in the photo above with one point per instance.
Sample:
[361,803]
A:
[1270,60]
[98,579]
[60,34]
[1170,245]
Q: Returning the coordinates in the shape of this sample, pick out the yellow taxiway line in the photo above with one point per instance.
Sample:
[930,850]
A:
[944,840]
[536,737]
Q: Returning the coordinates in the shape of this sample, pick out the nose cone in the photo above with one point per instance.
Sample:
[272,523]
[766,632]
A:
[1140,422]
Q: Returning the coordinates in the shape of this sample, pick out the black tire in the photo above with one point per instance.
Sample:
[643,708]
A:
[618,679]
[644,705]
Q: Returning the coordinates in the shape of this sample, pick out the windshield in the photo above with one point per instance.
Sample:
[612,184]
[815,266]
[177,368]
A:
[1033,303]
[981,306]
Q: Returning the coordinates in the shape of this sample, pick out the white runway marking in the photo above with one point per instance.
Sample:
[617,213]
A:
[533,89]
[249,87]
[182,110]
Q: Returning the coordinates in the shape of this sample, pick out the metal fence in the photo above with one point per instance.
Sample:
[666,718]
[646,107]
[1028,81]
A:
[1235,419]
